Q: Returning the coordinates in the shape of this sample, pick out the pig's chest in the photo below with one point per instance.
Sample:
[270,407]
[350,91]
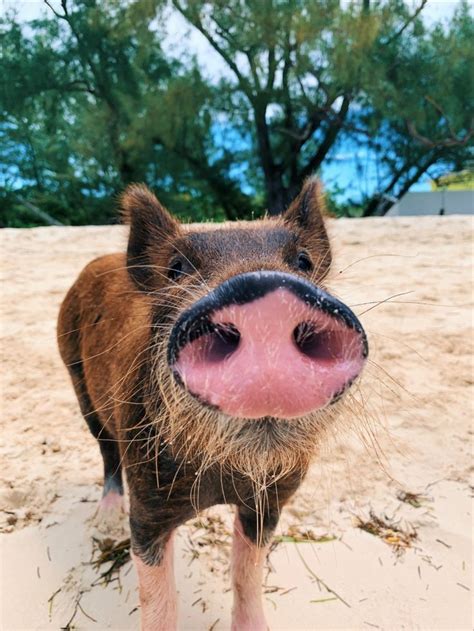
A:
[164,482]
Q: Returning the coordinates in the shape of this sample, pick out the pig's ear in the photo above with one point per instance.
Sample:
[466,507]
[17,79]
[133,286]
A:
[152,229]
[305,216]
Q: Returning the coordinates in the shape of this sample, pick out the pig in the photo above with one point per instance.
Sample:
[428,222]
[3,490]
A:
[208,361]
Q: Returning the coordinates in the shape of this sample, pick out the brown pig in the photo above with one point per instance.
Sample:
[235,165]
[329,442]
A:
[207,361]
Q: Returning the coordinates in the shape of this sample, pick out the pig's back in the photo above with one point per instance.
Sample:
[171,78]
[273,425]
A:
[103,331]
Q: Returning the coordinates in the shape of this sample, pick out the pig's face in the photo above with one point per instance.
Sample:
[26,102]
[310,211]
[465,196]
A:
[250,353]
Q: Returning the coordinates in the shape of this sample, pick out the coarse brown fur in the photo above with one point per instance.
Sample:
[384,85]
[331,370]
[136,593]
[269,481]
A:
[180,456]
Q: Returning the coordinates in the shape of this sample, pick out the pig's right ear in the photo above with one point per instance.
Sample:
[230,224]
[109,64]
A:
[152,229]
[305,215]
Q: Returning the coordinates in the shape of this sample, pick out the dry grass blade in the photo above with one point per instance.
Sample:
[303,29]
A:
[51,600]
[321,582]
[77,607]
[390,532]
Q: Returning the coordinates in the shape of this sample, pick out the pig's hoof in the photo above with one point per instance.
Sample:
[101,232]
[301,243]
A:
[112,503]
[110,516]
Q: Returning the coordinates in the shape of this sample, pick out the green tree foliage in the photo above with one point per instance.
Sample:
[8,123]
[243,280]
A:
[91,104]
[305,74]
[91,101]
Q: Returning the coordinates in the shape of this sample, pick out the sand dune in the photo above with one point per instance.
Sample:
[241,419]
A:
[399,468]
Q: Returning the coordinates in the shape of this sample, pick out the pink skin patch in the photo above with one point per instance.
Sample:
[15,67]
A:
[247,576]
[109,519]
[275,356]
[112,503]
[158,600]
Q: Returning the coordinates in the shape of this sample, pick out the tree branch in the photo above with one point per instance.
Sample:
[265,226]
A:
[411,19]
[42,214]
[253,70]
[197,23]
[235,203]
[454,141]
[61,16]
[380,206]
[272,66]
[228,37]
[329,139]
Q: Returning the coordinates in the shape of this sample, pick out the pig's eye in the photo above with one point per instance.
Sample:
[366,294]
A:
[176,269]
[304,262]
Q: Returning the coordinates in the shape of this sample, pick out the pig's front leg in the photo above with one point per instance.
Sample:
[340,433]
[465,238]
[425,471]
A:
[157,591]
[249,551]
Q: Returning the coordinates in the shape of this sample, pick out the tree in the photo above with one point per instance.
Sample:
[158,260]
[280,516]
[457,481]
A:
[91,101]
[422,118]
[91,104]
[305,74]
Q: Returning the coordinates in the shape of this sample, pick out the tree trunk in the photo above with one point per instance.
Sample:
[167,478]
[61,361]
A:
[277,194]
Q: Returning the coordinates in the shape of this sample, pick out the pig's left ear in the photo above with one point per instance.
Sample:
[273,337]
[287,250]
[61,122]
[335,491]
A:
[152,230]
[305,216]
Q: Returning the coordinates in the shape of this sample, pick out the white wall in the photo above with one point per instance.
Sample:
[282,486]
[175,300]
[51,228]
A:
[453,203]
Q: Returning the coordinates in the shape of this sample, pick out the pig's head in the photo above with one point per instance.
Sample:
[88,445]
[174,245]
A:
[250,354]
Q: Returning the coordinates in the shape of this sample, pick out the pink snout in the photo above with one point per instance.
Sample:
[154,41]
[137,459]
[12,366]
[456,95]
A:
[274,355]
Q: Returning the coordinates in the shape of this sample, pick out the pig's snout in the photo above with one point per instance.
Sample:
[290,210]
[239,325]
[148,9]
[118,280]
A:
[267,344]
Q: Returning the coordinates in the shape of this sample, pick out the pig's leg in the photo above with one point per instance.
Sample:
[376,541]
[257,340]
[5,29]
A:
[112,495]
[157,591]
[111,504]
[154,516]
[249,551]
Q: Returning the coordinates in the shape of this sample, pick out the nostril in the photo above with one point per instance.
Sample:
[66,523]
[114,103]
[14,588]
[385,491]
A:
[222,342]
[316,344]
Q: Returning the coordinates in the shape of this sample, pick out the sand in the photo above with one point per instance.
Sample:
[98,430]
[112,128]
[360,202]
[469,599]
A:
[415,437]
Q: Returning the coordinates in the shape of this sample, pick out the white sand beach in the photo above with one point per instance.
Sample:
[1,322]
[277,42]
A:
[405,471]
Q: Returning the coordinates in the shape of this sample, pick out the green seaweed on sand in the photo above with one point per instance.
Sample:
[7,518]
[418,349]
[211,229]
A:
[417,500]
[117,553]
[295,535]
